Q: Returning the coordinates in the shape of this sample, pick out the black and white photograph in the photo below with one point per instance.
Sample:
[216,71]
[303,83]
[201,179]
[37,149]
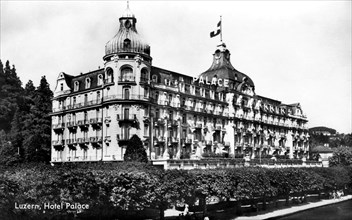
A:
[176,110]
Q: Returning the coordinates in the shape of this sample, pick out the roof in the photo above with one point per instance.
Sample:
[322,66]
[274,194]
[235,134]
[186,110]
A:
[93,75]
[322,129]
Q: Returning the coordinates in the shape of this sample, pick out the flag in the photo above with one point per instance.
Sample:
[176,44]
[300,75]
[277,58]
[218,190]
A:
[217,32]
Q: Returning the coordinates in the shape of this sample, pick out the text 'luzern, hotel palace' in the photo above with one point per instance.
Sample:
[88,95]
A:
[175,115]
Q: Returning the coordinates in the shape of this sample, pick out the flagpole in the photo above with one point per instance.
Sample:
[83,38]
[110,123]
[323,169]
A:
[220,29]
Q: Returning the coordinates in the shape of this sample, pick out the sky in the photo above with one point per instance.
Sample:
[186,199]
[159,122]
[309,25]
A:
[294,51]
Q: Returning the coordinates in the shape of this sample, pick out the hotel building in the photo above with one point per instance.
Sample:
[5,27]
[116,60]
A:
[176,116]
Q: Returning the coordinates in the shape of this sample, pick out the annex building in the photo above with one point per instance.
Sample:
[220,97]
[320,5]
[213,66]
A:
[175,115]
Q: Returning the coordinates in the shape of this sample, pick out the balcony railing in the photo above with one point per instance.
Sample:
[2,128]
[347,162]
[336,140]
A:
[124,97]
[95,121]
[58,142]
[83,123]
[96,139]
[127,79]
[82,140]
[218,127]
[188,141]
[107,119]
[123,117]
[161,139]
[71,124]
[172,139]
[71,141]
[107,139]
[199,125]
[59,126]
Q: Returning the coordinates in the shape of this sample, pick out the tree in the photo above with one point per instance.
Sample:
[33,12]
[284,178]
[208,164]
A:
[37,123]
[135,150]
[10,93]
[342,156]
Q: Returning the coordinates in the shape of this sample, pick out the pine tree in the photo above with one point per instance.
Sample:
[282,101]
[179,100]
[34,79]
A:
[37,124]
[10,94]
[135,150]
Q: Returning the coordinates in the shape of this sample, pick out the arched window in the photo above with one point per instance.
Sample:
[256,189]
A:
[109,75]
[127,74]
[155,78]
[126,44]
[76,86]
[144,75]
[88,83]
[100,79]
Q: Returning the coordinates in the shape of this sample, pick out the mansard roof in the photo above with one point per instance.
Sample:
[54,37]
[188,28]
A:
[93,75]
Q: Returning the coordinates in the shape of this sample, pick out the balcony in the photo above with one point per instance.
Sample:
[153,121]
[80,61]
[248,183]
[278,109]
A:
[83,124]
[143,80]
[218,127]
[161,139]
[172,140]
[82,140]
[107,139]
[126,117]
[159,122]
[96,121]
[58,143]
[173,123]
[59,127]
[126,80]
[71,141]
[208,143]
[122,139]
[71,125]
[188,141]
[96,139]
[199,125]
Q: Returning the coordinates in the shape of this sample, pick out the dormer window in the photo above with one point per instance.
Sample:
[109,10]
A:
[88,83]
[76,86]
[155,78]
[100,79]
[126,44]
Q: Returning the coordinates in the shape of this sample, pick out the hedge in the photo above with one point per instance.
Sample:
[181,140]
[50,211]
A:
[124,189]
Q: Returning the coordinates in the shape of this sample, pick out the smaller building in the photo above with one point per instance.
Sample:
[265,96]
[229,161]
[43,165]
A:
[322,153]
[321,130]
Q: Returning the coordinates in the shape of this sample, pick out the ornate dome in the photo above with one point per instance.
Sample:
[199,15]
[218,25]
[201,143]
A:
[127,39]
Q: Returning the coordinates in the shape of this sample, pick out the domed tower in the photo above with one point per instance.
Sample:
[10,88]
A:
[126,83]
[222,69]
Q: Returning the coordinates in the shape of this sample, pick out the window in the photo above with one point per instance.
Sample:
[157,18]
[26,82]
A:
[126,44]
[88,83]
[144,75]
[127,94]
[127,74]
[76,86]
[98,96]
[110,75]
[61,87]
[126,113]
[155,78]
[100,79]
[85,98]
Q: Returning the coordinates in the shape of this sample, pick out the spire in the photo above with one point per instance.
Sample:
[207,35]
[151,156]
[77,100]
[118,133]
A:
[128,13]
